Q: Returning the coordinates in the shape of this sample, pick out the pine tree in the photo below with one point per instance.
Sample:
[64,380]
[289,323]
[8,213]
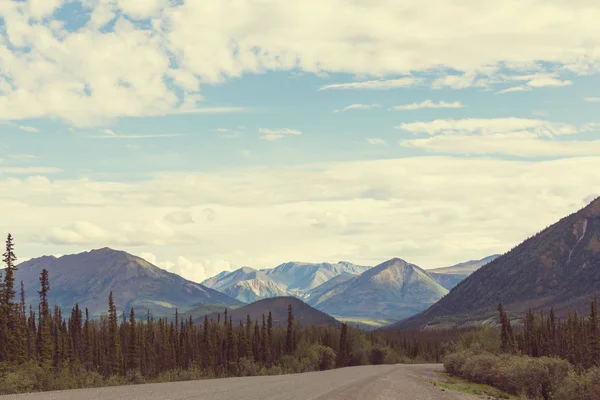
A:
[132,351]
[506,336]
[114,350]
[594,335]
[11,309]
[44,334]
[343,353]
[289,338]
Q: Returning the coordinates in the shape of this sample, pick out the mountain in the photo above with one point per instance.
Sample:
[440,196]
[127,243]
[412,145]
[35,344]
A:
[303,313]
[312,296]
[559,267]
[301,277]
[394,289]
[293,278]
[88,278]
[449,277]
[246,284]
[251,290]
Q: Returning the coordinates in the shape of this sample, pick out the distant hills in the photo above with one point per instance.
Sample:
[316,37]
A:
[278,306]
[449,277]
[88,278]
[390,291]
[293,278]
[394,289]
[559,267]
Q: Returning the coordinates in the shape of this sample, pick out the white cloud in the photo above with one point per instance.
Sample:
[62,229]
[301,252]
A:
[276,134]
[519,88]
[23,156]
[429,104]
[522,145]
[321,212]
[110,134]
[488,126]
[358,107]
[508,136]
[548,82]
[592,99]
[91,76]
[29,170]
[379,84]
[180,217]
[376,141]
[536,80]
[28,128]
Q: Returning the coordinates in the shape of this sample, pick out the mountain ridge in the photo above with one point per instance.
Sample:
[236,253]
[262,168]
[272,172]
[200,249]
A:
[558,267]
[87,278]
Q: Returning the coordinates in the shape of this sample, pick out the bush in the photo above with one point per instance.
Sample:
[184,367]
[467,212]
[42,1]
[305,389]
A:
[247,367]
[585,386]
[519,375]
[378,354]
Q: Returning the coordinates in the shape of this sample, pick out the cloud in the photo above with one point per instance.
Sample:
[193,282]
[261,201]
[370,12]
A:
[29,170]
[379,84]
[114,66]
[505,136]
[180,217]
[534,81]
[23,156]
[110,134]
[429,104]
[592,99]
[28,128]
[319,212]
[276,134]
[357,107]
[488,126]
[520,88]
[221,130]
[522,145]
[376,141]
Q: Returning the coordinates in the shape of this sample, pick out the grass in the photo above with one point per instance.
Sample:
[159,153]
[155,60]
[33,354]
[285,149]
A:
[372,322]
[461,385]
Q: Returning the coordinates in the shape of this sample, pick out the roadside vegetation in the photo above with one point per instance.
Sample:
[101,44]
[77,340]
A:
[547,359]
[43,349]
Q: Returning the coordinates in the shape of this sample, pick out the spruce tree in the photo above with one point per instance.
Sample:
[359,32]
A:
[289,338]
[132,351]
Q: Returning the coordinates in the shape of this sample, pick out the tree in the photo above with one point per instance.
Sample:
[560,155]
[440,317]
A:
[132,350]
[343,354]
[114,348]
[289,337]
[10,309]
[44,340]
[506,335]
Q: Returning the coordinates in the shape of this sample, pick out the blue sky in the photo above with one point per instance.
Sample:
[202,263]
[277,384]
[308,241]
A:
[206,136]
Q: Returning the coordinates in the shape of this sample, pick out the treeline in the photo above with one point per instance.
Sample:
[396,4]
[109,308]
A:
[576,339]
[546,358]
[42,349]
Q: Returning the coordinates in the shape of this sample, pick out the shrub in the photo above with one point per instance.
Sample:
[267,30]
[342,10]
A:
[378,354]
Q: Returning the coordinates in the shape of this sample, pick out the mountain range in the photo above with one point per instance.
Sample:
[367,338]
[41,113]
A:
[88,278]
[391,291]
[449,277]
[559,267]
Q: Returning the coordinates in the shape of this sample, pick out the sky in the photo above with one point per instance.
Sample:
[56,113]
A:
[209,135]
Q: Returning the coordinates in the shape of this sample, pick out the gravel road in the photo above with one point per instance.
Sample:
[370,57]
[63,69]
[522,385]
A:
[383,382]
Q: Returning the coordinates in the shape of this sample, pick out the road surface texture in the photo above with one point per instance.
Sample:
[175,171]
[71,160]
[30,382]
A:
[382,382]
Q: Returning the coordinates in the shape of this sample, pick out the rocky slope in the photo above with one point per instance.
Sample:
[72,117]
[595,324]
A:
[559,267]
[394,289]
